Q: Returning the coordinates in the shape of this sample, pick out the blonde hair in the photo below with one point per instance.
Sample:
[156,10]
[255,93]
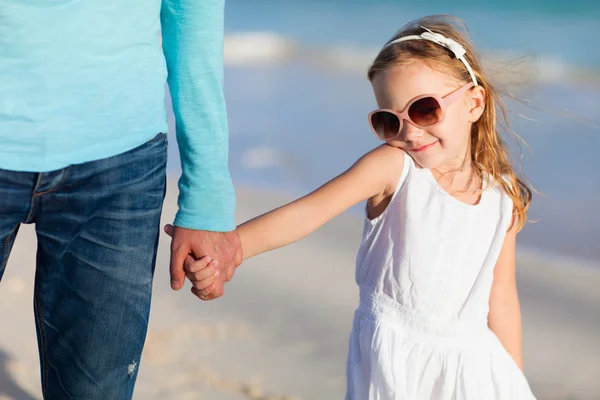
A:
[489,154]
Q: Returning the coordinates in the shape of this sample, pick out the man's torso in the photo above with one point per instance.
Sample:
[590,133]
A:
[80,79]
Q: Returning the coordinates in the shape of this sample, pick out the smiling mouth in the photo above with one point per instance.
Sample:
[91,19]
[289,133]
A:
[423,148]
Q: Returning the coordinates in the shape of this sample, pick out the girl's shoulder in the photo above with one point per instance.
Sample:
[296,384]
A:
[388,163]
[387,152]
[392,164]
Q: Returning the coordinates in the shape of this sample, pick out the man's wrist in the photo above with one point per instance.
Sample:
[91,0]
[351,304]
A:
[204,223]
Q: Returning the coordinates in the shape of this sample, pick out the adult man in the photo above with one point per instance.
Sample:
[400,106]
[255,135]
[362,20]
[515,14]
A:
[83,156]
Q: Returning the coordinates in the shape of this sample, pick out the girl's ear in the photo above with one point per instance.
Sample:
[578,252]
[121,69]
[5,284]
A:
[476,103]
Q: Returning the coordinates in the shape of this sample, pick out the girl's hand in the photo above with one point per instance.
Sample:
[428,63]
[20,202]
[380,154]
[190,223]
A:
[202,273]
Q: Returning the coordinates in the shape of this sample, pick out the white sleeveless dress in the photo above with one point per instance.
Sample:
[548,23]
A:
[425,270]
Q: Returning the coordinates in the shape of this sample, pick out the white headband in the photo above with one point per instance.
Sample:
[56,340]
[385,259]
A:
[452,45]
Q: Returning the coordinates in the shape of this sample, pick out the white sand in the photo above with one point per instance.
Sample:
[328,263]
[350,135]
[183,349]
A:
[281,330]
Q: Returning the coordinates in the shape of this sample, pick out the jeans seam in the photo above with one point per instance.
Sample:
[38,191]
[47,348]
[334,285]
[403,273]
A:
[7,246]
[43,341]
[55,188]
[35,196]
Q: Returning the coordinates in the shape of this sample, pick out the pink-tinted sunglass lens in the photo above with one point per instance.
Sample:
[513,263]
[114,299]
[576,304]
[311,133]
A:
[425,112]
[385,124]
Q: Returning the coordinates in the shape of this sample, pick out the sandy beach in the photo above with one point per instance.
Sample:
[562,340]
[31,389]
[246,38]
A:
[281,330]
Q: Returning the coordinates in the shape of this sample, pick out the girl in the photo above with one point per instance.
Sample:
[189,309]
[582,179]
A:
[439,316]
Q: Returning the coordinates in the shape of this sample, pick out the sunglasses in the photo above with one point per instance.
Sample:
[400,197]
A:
[423,111]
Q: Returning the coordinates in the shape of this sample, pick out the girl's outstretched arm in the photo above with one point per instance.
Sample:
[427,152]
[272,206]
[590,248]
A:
[505,312]
[373,174]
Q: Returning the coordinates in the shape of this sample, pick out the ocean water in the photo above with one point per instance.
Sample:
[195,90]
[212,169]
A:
[561,30]
[298,98]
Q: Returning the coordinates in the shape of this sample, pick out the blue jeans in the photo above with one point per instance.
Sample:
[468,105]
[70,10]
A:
[97,227]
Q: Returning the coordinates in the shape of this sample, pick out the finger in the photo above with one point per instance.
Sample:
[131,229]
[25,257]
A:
[203,278]
[207,290]
[216,289]
[196,293]
[202,284]
[169,229]
[176,269]
[210,271]
[228,272]
[219,289]
[202,297]
[213,290]
[193,266]
[200,275]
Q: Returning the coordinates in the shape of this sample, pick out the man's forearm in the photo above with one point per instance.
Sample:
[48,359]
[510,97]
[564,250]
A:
[192,34]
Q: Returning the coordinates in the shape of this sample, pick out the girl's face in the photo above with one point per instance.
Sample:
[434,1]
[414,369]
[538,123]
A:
[445,145]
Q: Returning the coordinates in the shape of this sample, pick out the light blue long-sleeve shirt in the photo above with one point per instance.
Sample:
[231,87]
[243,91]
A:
[82,80]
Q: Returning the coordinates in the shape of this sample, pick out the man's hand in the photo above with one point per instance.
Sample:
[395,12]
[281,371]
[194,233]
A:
[224,247]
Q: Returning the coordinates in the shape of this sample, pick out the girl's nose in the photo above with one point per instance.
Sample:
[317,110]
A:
[411,132]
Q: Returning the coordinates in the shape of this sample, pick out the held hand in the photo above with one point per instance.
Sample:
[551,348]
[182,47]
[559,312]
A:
[202,273]
[222,246]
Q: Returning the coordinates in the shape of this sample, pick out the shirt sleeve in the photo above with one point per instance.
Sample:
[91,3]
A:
[192,37]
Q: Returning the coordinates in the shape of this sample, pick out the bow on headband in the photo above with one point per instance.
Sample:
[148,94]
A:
[449,43]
